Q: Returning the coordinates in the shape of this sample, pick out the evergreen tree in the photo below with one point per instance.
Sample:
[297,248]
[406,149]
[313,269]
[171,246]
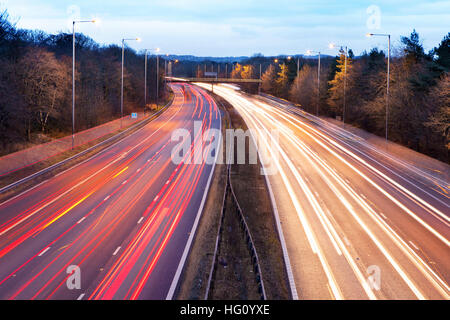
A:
[443,52]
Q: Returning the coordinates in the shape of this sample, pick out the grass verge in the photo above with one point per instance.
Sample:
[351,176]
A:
[234,277]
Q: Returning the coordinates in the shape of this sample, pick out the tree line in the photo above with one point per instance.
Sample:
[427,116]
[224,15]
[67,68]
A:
[36,90]
[419,95]
[36,84]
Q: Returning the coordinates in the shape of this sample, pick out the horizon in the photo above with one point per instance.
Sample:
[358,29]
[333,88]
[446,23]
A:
[240,29]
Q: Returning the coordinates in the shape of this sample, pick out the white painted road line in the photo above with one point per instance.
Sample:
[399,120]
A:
[415,247]
[44,251]
[117,250]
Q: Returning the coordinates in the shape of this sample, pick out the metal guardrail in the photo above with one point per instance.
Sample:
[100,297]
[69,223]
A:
[229,191]
[59,164]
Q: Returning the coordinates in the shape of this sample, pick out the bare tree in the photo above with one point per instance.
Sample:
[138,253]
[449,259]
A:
[304,89]
[439,121]
[44,82]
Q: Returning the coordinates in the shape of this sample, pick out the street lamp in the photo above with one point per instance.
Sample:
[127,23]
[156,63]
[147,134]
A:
[388,71]
[309,52]
[260,78]
[171,63]
[298,64]
[165,73]
[157,78]
[145,77]
[332,45]
[73,73]
[121,88]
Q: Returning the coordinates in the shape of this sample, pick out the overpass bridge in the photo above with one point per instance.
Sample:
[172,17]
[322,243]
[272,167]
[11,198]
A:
[212,80]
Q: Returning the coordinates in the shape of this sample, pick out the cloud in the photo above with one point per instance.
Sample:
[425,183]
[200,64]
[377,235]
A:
[231,27]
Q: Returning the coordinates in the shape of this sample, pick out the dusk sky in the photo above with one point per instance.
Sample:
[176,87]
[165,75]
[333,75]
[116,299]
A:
[234,28]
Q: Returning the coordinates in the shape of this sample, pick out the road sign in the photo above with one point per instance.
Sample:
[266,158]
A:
[134,115]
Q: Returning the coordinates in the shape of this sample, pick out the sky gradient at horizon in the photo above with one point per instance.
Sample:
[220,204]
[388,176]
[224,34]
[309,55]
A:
[239,28]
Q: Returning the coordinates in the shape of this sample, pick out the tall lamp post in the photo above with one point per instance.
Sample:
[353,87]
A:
[388,71]
[121,88]
[157,79]
[145,76]
[168,65]
[73,74]
[260,78]
[165,73]
[297,62]
[345,75]
[309,52]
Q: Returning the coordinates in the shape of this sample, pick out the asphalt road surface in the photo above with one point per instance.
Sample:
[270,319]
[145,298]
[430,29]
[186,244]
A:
[358,223]
[122,220]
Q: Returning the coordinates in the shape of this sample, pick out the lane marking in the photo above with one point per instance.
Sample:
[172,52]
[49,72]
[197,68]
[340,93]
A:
[379,221]
[44,251]
[120,172]
[140,220]
[81,220]
[117,250]
[115,144]
[81,296]
[415,247]
[65,211]
[183,259]
[347,242]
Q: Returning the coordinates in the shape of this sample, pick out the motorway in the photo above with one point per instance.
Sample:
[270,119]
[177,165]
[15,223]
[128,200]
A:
[123,218]
[357,222]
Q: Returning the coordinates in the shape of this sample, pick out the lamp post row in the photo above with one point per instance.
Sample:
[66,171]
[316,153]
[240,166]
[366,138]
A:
[345,78]
[122,73]
[388,75]
[73,74]
[145,75]
[276,60]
